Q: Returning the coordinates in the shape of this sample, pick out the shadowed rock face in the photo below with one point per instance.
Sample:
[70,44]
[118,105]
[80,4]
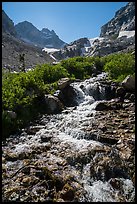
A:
[124,20]
[8,25]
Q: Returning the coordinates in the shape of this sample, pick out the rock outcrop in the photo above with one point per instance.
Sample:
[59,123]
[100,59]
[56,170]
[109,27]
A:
[129,83]
[75,48]
[109,46]
[124,20]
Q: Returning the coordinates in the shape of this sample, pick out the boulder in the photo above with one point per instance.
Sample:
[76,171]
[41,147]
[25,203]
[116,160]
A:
[54,105]
[129,83]
[69,96]
[12,114]
[59,95]
[110,91]
[120,91]
[33,129]
[108,105]
[101,106]
[63,82]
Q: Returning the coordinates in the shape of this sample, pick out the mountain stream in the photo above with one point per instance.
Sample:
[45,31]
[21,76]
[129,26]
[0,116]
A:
[63,143]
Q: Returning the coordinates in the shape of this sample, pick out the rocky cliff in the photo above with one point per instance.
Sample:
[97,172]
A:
[44,38]
[73,49]
[124,20]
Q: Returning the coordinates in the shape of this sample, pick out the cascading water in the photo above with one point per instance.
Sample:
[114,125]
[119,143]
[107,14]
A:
[68,129]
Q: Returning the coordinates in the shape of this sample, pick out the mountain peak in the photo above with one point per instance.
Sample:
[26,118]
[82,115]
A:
[45,30]
[25,25]
[44,38]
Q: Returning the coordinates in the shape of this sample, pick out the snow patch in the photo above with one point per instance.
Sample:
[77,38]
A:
[50,50]
[92,40]
[53,57]
[128,34]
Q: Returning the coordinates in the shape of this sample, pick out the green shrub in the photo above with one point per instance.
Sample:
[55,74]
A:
[78,67]
[49,73]
[119,66]
[22,92]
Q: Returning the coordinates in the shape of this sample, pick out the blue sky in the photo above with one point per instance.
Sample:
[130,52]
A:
[70,20]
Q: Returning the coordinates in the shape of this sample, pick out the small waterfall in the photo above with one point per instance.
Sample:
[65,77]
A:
[90,90]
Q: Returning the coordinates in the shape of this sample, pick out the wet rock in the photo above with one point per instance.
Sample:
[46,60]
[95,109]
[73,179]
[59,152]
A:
[102,127]
[107,140]
[67,193]
[132,98]
[26,181]
[120,91]
[110,91]
[40,174]
[54,105]
[127,95]
[133,178]
[101,106]
[26,170]
[24,155]
[45,138]
[107,167]
[115,183]
[125,152]
[11,156]
[108,105]
[59,95]
[69,96]
[33,129]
